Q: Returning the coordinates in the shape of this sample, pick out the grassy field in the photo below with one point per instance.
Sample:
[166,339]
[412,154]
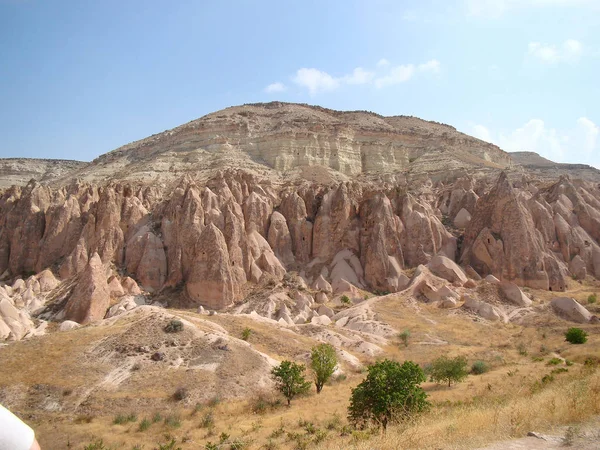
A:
[58,384]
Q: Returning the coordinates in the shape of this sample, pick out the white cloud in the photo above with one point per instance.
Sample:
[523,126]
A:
[590,133]
[398,74]
[275,87]
[359,76]
[315,80]
[432,65]
[578,144]
[569,51]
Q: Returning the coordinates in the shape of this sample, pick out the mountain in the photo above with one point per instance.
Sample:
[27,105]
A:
[129,284]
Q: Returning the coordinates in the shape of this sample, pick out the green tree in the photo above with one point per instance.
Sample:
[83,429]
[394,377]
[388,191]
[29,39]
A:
[449,370]
[323,362]
[576,336]
[390,392]
[289,379]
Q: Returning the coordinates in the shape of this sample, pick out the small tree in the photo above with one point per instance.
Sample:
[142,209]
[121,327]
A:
[576,336]
[404,337]
[390,392]
[449,370]
[323,362]
[289,379]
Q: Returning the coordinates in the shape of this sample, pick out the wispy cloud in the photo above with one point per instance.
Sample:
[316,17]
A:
[317,81]
[275,87]
[359,76]
[403,73]
[569,51]
[578,142]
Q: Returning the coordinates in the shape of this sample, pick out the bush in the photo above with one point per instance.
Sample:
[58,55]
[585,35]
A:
[323,362]
[345,300]
[592,298]
[289,379]
[404,337]
[576,336]
[174,326]
[246,334]
[554,362]
[390,392]
[180,394]
[144,425]
[449,370]
[479,367]
[172,421]
[169,445]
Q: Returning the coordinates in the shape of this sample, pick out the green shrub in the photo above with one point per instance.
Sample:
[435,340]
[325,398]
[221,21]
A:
[122,419]
[576,336]
[172,421]
[169,445]
[391,391]
[208,421]
[246,334]
[144,425]
[156,417]
[450,370]
[174,326]
[479,367]
[345,300]
[554,362]
[592,298]
[404,337]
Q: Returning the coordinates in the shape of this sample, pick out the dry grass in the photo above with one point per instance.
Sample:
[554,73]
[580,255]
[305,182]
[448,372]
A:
[503,403]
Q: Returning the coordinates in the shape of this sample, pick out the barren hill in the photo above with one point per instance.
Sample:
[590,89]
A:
[286,136]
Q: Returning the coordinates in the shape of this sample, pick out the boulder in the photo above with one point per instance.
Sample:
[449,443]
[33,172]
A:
[115,288]
[569,309]
[321,297]
[492,279]
[514,294]
[484,310]
[462,219]
[130,287]
[91,297]
[68,325]
[321,284]
[446,268]
[47,280]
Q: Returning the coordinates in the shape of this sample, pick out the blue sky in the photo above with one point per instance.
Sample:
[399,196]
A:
[80,78]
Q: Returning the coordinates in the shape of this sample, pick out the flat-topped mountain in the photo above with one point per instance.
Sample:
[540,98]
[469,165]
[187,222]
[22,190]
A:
[286,136]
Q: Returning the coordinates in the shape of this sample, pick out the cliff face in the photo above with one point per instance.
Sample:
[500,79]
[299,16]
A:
[283,136]
[237,229]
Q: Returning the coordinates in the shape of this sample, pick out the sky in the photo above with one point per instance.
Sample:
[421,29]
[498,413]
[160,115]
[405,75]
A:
[81,78]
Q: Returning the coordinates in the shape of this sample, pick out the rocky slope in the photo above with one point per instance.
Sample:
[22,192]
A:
[19,171]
